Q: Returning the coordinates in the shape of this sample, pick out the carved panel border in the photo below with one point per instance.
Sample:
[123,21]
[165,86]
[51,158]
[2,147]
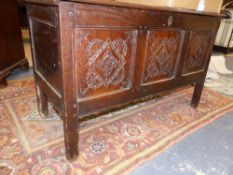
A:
[162,55]
[105,61]
[196,51]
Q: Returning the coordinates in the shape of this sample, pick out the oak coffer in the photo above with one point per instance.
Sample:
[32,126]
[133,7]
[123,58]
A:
[91,57]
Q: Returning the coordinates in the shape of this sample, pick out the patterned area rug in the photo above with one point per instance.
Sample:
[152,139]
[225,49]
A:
[111,144]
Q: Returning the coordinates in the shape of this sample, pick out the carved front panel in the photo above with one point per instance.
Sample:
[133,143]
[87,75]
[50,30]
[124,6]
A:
[162,55]
[196,51]
[105,60]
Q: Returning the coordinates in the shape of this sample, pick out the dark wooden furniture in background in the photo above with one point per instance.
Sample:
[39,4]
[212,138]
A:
[89,58]
[11,43]
[22,14]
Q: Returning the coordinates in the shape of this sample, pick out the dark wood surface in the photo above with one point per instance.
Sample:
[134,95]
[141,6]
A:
[90,58]
[11,43]
[23,16]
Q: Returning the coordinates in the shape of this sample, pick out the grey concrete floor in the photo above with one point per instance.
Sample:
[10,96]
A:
[209,151]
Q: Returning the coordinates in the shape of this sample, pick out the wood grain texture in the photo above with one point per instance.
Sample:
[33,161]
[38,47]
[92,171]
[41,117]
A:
[104,57]
[162,55]
[197,50]
[70,105]
[45,2]
[107,57]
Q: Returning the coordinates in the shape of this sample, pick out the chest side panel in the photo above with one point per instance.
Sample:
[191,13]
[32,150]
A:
[45,46]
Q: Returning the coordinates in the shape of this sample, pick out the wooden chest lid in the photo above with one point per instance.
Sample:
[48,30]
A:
[212,6]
